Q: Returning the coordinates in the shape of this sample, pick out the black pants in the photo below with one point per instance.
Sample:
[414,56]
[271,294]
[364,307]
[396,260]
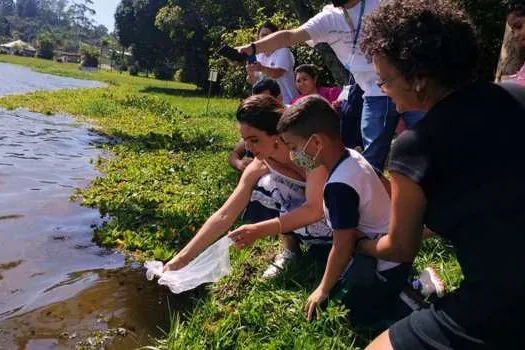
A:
[372,296]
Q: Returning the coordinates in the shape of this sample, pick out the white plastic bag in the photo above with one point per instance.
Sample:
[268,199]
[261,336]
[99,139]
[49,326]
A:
[211,265]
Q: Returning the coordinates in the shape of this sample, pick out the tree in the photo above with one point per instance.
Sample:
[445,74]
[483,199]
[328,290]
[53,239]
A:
[135,25]
[90,56]
[46,46]
[27,8]
[7,8]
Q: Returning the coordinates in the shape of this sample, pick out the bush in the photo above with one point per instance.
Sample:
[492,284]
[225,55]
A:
[90,56]
[46,46]
[134,69]
[164,71]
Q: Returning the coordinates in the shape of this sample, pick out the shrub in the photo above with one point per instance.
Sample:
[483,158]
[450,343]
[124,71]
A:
[134,69]
[46,46]
[90,56]
[164,71]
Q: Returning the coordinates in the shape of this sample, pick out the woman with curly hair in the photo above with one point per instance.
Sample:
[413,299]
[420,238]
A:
[444,176]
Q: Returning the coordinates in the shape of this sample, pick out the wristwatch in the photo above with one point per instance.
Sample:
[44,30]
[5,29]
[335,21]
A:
[254,49]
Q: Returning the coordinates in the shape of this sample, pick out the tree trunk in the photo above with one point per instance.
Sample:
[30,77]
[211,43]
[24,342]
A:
[304,12]
[511,57]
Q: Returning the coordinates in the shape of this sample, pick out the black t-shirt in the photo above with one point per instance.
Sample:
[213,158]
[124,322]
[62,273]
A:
[466,155]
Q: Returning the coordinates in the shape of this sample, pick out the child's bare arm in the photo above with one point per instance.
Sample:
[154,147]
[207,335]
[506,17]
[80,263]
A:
[340,255]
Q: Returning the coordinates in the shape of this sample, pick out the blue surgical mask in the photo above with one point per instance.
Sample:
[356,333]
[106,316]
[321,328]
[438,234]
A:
[303,159]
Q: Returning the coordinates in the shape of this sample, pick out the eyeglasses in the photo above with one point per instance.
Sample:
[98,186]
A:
[382,82]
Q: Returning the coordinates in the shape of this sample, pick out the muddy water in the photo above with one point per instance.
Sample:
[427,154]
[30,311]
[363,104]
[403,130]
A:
[57,288]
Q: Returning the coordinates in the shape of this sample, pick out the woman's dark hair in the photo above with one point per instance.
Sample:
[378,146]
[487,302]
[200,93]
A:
[310,69]
[268,25]
[261,112]
[266,84]
[516,7]
[423,38]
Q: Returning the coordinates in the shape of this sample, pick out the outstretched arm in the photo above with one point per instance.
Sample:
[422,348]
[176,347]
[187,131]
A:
[221,220]
[277,40]
[310,212]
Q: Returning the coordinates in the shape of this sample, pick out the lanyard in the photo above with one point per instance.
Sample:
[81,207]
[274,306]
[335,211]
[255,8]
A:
[351,25]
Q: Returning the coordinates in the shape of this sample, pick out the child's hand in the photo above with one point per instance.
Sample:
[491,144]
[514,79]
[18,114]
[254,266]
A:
[314,301]
[245,235]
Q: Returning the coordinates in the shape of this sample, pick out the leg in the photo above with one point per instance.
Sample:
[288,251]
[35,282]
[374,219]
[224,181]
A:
[379,121]
[382,342]
[290,242]
[350,118]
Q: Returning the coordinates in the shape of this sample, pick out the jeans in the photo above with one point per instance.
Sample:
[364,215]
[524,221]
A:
[378,124]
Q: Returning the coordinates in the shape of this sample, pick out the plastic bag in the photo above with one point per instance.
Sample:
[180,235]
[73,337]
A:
[211,265]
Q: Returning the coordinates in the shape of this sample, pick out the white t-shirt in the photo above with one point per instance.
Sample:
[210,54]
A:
[355,198]
[330,26]
[283,59]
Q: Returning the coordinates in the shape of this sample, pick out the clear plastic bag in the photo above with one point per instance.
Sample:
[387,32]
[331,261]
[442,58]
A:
[211,265]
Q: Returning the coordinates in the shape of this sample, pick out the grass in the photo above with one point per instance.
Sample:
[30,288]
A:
[166,174]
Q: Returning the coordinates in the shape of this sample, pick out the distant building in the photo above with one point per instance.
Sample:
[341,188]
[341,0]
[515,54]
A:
[67,57]
[18,47]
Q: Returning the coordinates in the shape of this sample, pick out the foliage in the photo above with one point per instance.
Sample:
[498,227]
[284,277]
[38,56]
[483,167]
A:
[489,17]
[46,46]
[135,26]
[134,69]
[90,56]
[68,21]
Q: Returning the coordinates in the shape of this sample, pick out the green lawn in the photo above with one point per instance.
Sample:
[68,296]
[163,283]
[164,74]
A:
[167,173]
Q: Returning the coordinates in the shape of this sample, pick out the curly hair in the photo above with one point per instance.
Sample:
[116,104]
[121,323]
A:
[516,7]
[423,38]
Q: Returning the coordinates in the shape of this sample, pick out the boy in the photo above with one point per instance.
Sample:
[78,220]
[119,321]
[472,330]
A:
[357,206]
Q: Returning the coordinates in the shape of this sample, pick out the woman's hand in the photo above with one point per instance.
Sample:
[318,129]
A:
[314,301]
[176,263]
[245,235]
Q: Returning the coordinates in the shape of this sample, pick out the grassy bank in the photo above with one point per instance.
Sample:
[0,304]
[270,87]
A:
[168,172]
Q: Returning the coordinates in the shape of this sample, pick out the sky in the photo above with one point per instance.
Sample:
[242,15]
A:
[105,12]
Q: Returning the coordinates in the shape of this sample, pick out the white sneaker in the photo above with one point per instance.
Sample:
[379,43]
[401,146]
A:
[430,283]
[280,262]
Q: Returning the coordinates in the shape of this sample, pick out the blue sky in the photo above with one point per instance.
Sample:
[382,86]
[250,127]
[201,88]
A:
[105,12]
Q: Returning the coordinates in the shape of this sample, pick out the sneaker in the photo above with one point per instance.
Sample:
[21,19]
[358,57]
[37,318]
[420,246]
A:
[280,262]
[430,283]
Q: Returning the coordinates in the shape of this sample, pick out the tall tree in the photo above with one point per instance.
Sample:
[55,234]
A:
[7,8]
[27,8]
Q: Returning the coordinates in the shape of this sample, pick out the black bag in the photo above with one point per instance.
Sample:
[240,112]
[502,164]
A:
[350,117]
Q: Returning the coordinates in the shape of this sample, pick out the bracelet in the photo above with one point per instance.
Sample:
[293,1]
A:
[254,49]
[280,226]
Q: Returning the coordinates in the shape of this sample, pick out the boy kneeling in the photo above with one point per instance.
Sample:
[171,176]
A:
[357,206]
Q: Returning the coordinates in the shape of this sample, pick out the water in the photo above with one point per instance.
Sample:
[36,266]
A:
[16,80]
[56,286]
